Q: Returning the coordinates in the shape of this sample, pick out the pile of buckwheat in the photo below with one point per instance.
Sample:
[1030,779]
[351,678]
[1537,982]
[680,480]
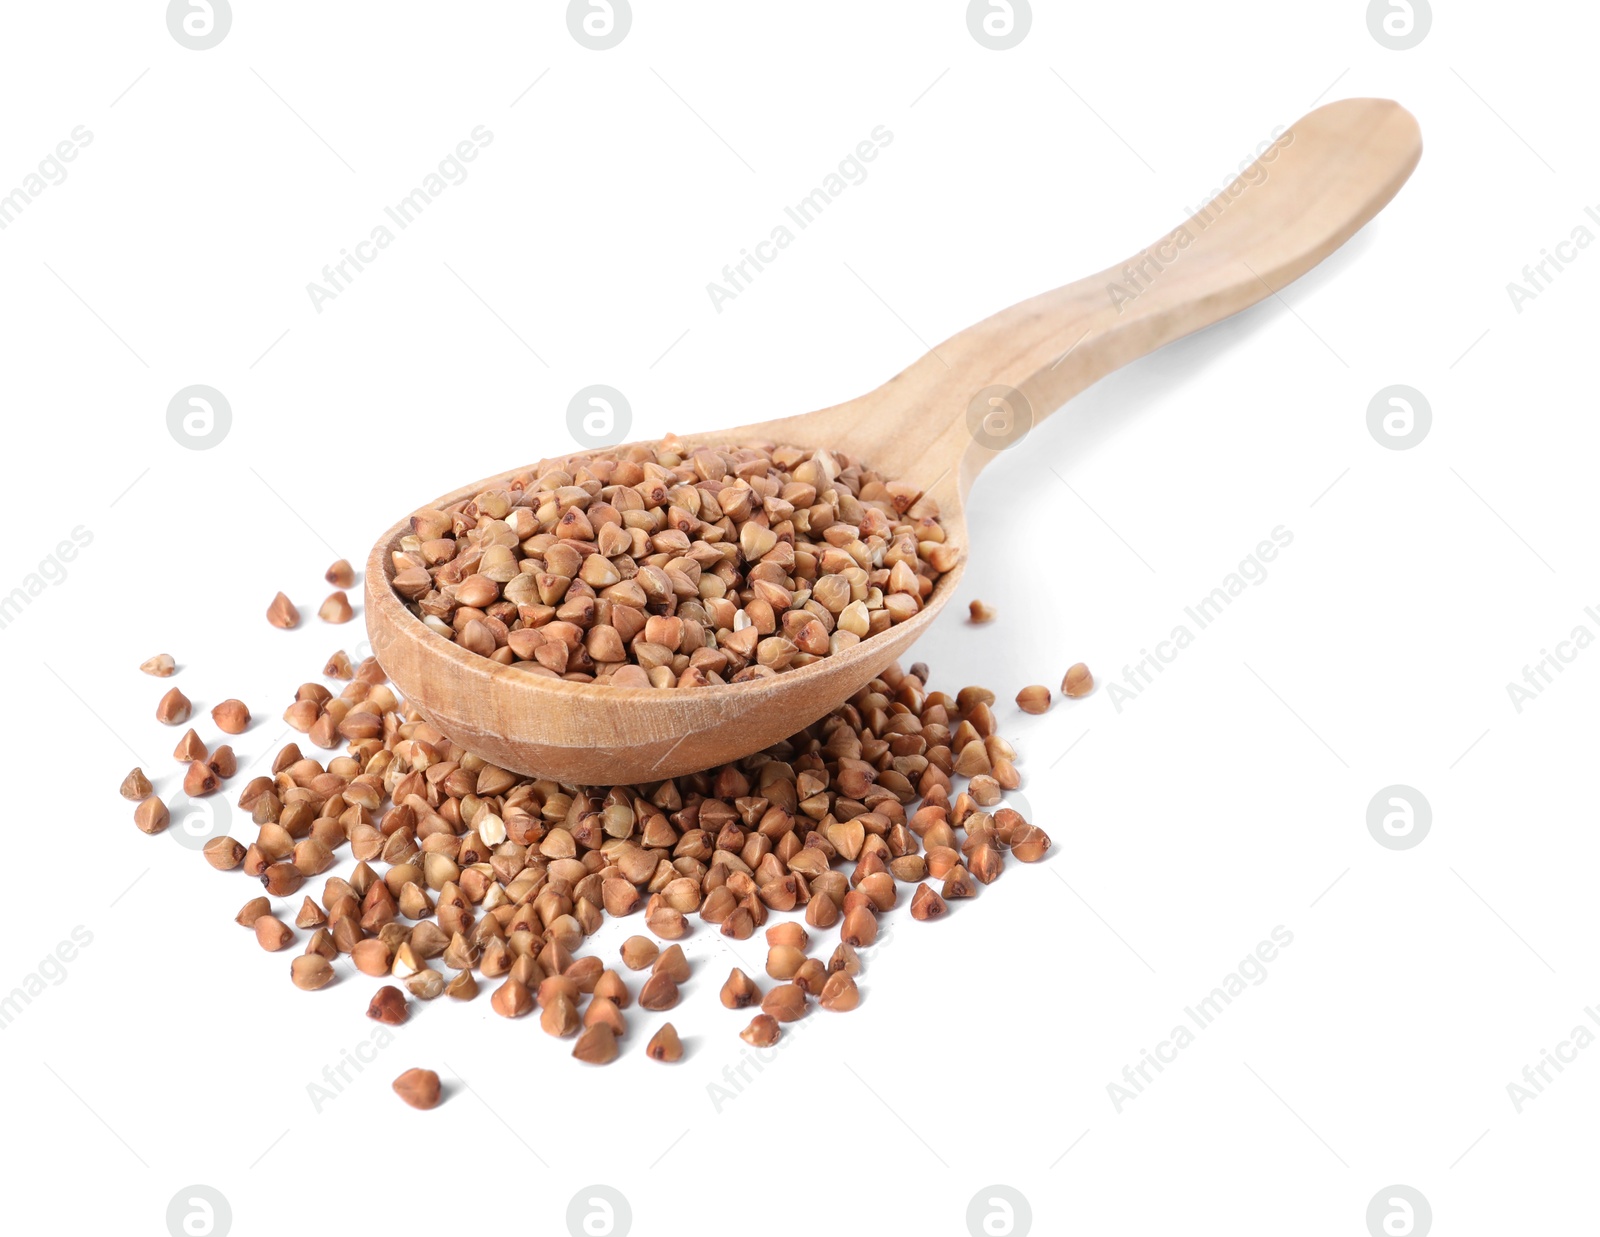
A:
[463,873]
[666,566]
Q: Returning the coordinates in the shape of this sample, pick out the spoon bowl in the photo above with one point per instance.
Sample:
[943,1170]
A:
[934,425]
[584,735]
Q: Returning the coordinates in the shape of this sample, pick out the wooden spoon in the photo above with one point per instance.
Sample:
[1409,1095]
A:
[936,425]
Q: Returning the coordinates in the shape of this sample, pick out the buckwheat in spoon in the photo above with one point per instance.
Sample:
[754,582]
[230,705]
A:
[632,614]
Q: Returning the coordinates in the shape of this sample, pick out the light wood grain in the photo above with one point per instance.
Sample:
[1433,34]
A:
[1329,174]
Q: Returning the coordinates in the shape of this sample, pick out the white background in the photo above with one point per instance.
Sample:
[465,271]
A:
[1229,798]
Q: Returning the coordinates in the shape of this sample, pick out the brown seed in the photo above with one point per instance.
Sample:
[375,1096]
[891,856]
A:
[786,1003]
[371,957]
[223,762]
[419,1088]
[512,999]
[463,987]
[310,972]
[322,943]
[665,1045]
[405,962]
[783,961]
[428,940]
[668,924]
[272,934]
[251,911]
[174,708]
[281,613]
[589,916]
[151,816]
[968,698]
[336,609]
[974,758]
[1078,682]
[311,857]
[638,952]
[596,1046]
[846,959]
[259,796]
[340,575]
[559,1017]
[739,991]
[338,666]
[324,731]
[199,780]
[460,954]
[136,786]
[1029,843]
[224,853]
[270,845]
[604,1009]
[553,986]
[311,916]
[1007,822]
[231,716]
[879,889]
[348,936]
[860,928]
[620,897]
[282,879]
[496,960]
[958,884]
[161,665]
[909,869]
[788,933]
[977,612]
[426,984]
[190,748]
[1034,699]
[840,993]
[822,911]
[984,790]
[659,992]
[611,986]
[585,972]
[986,863]
[341,898]
[811,976]
[389,1006]
[740,925]
[762,1032]
[672,964]
[926,904]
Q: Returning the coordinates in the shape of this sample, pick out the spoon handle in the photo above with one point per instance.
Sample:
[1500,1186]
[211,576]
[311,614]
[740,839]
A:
[1302,198]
